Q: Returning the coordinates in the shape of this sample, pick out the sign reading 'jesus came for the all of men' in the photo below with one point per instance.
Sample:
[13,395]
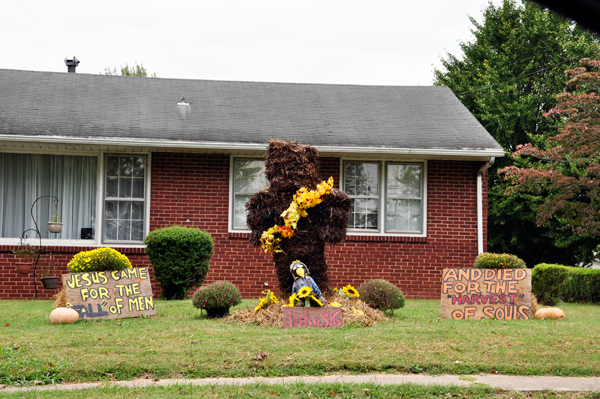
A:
[503,294]
[110,295]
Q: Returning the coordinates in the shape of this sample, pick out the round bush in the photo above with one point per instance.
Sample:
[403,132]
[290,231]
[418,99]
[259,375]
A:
[181,258]
[381,294]
[488,260]
[217,298]
[98,260]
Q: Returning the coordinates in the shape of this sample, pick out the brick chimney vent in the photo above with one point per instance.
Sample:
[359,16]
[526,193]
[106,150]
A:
[72,63]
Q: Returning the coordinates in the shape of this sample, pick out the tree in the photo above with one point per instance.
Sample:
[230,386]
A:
[137,70]
[508,77]
[567,171]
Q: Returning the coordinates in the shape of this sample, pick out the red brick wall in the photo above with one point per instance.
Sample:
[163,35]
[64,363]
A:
[197,187]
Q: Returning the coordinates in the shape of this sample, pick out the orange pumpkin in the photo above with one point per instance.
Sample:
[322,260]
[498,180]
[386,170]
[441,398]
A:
[549,313]
[64,315]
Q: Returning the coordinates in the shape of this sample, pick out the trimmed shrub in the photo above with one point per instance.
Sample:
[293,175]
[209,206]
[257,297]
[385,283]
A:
[488,260]
[98,260]
[181,258]
[217,298]
[381,294]
[553,283]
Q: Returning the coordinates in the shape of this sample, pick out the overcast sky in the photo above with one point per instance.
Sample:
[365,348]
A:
[370,42]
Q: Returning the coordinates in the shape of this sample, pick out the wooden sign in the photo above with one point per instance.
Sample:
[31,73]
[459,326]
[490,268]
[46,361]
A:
[312,317]
[110,295]
[503,294]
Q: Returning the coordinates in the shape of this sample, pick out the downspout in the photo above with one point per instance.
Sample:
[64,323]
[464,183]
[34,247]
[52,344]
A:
[480,204]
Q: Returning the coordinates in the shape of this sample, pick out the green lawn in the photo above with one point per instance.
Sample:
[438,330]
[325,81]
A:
[178,342]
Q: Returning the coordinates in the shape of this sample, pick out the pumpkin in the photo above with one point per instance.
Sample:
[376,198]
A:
[64,315]
[549,313]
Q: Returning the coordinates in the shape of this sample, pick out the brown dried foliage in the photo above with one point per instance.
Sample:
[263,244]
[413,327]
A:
[272,315]
[289,167]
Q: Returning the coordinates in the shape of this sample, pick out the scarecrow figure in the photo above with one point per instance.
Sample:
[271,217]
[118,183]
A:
[291,167]
[303,279]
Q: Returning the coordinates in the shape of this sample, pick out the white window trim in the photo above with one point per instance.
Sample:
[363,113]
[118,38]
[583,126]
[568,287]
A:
[97,241]
[382,197]
[101,194]
[230,207]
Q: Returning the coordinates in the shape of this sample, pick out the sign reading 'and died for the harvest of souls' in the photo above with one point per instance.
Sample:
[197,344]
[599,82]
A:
[312,317]
[503,294]
[110,294]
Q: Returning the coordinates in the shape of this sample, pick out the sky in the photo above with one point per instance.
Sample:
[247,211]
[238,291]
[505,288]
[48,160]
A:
[374,42]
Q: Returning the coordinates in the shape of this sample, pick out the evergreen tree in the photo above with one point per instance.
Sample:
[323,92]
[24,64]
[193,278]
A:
[508,77]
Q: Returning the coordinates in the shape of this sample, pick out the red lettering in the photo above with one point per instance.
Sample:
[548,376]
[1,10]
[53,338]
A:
[512,298]
[456,298]
[484,299]
[337,321]
[502,299]
[493,299]
[475,299]
[298,322]
[466,299]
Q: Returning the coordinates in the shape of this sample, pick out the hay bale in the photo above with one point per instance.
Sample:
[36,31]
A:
[60,300]
[272,315]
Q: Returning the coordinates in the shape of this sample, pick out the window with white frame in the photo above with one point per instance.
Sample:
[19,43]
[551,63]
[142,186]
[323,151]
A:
[124,198]
[26,177]
[248,177]
[75,181]
[395,188]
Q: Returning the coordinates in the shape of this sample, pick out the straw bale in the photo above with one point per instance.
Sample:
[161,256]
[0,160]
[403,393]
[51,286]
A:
[60,300]
[272,316]
[289,167]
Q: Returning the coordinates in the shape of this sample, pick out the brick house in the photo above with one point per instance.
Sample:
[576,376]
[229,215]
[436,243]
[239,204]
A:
[126,155]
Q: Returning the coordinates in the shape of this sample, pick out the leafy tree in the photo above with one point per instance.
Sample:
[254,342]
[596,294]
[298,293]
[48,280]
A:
[508,77]
[566,170]
[137,70]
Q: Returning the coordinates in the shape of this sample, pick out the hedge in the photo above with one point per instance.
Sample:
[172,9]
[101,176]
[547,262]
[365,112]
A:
[551,283]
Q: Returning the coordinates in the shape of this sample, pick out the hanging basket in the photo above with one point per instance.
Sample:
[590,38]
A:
[49,282]
[24,267]
[54,227]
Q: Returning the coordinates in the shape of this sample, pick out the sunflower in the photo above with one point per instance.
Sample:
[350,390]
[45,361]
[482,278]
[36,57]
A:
[261,304]
[304,292]
[312,297]
[350,291]
[293,300]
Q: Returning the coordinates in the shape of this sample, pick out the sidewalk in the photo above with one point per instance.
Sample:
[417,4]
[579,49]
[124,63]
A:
[497,381]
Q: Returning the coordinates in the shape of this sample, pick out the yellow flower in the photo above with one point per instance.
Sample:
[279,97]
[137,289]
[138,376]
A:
[335,304]
[312,297]
[350,291]
[261,304]
[358,312]
[304,292]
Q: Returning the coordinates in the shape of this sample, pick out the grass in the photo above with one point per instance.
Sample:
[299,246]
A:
[317,391]
[180,343]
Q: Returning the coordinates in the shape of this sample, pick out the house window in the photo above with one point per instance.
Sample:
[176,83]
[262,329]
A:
[25,177]
[124,199]
[248,178]
[400,197]
[361,183]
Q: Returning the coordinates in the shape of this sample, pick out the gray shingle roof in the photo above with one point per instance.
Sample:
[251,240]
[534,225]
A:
[115,107]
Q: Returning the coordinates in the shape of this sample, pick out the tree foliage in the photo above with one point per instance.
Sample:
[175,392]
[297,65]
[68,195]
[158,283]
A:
[508,77]
[137,70]
[566,170]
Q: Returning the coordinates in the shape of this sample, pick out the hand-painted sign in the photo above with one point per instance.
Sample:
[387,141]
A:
[312,317]
[503,294]
[110,294]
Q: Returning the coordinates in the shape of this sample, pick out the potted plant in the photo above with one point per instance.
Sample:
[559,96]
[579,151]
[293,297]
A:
[55,226]
[26,254]
[48,275]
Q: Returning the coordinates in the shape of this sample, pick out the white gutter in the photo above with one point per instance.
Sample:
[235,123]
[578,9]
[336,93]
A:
[480,204]
[465,152]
